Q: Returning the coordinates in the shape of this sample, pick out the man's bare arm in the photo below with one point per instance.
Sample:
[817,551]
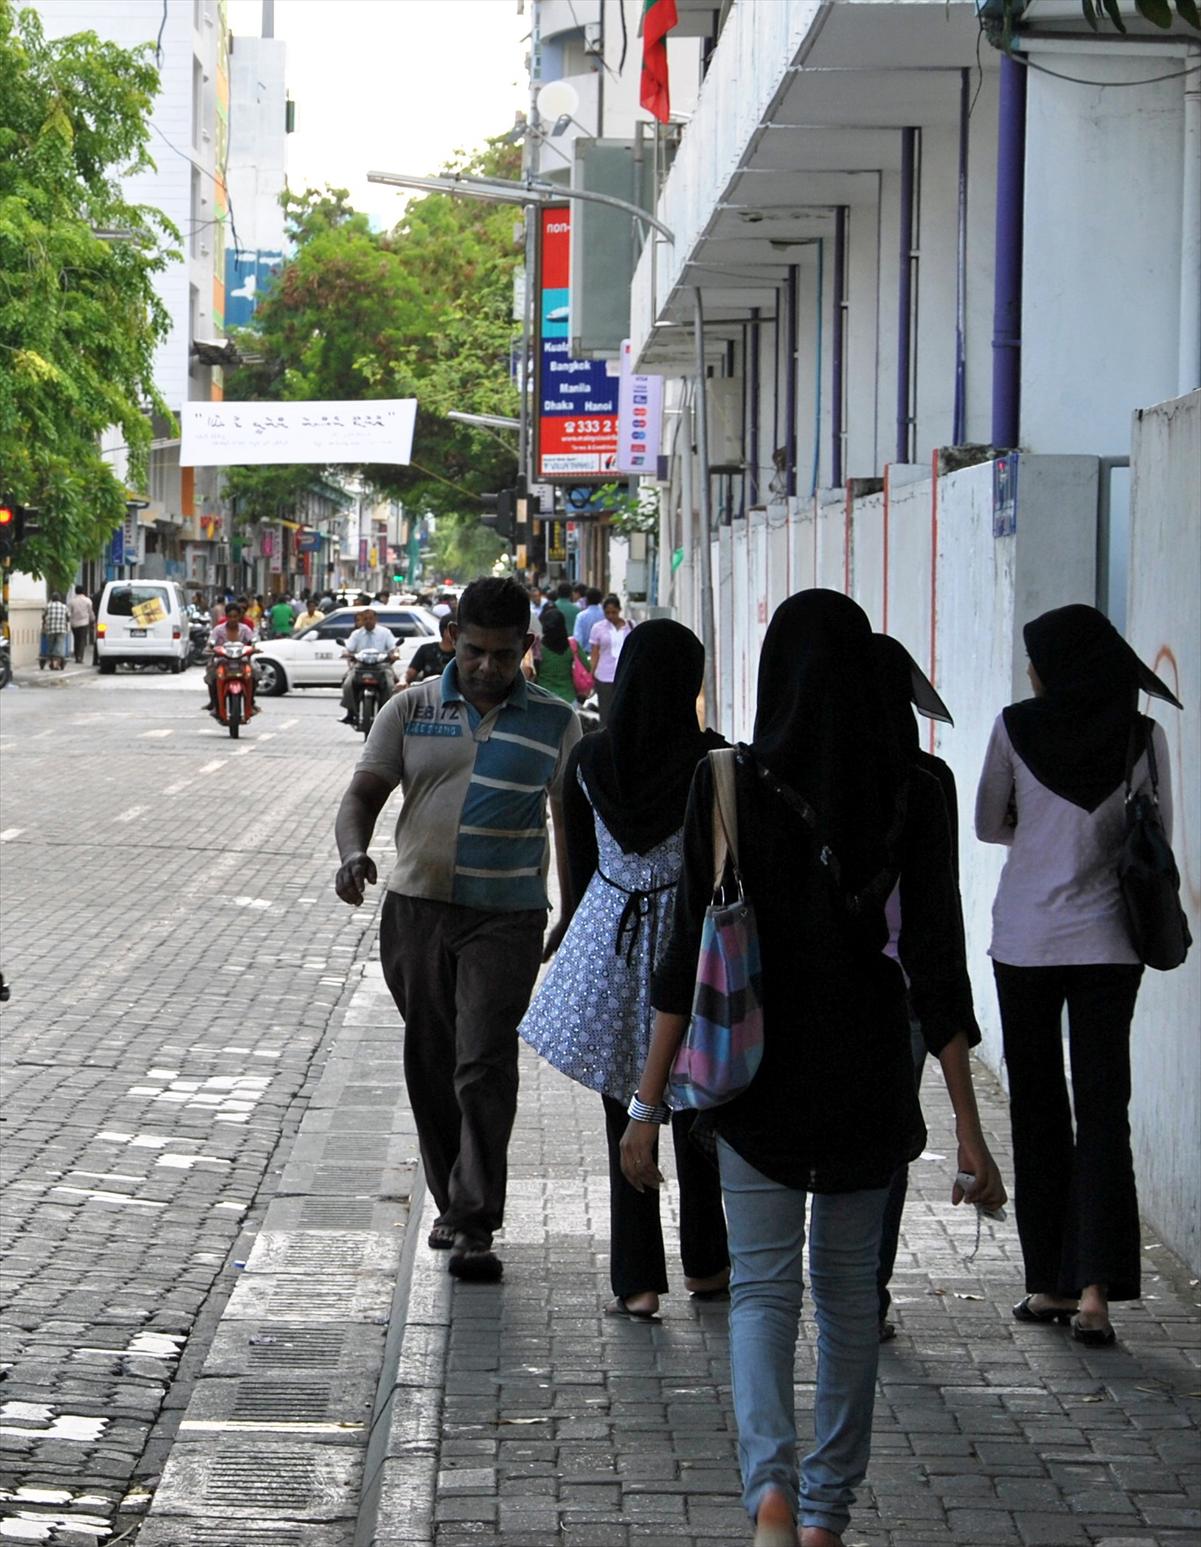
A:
[365,798]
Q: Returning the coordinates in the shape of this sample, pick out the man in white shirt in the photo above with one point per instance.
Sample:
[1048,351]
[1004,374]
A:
[82,617]
[370,635]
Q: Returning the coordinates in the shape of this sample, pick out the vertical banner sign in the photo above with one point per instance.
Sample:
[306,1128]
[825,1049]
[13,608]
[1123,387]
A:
[577,399]
[639,417]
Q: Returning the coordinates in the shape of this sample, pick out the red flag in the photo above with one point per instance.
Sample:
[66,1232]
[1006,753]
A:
[658,18]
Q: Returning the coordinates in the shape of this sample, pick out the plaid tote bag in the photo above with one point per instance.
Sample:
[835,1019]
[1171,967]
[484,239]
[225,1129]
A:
[722,1049]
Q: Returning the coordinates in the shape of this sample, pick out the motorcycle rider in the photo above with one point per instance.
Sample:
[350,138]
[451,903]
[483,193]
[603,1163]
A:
[235,631]
[370,635]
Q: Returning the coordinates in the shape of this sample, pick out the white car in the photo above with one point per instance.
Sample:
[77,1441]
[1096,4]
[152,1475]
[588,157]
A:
[316,657]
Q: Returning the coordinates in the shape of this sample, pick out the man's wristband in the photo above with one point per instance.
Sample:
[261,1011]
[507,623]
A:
[642,1111]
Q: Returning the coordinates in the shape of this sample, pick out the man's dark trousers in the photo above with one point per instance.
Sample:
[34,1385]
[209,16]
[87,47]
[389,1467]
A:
[461,979]
[81,632]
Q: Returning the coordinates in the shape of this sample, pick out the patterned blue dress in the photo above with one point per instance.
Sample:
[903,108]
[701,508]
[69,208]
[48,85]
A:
[592,1016]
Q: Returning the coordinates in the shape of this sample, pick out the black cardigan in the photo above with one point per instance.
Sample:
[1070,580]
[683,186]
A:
[833,1107]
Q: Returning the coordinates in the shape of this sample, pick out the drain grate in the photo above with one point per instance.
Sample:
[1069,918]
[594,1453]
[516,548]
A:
[293,1400]
[335,1214]
[264,1479]
[198,1534]
[356,1146]
[361,1178]
[297,1348]
[332,1294]
[321,1256]
[369,1096]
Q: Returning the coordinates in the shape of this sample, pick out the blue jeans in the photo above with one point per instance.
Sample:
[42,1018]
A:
[766,1224]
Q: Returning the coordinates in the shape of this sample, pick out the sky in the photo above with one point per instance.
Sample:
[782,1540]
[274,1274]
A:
[392,86]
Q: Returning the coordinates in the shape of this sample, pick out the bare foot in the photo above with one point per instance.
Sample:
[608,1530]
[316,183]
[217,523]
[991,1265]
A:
[818,1536]
[645,1304]
[774,1509]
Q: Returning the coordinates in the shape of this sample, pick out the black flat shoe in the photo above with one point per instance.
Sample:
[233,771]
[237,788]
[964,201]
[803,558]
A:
[1053,1315]
[1093,1337]
[475,1265]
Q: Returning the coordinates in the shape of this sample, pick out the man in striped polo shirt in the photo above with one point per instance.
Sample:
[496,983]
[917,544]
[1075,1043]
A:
[477,752]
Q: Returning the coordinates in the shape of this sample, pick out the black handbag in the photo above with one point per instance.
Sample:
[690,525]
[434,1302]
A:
[1147,874]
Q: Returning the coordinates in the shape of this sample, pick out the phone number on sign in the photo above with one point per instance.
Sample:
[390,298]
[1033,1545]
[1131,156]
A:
[589,426]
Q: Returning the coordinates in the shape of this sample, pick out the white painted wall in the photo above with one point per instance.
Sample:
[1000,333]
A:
[1101,277]
[168,185]
[1162,627]
[257,141]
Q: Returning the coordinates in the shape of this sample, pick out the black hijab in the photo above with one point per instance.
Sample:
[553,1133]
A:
[821,725]
[554,630]
[905,687]
[638,769]
[1076,738]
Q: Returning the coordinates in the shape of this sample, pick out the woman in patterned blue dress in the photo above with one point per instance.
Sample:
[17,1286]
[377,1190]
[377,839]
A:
[624,798]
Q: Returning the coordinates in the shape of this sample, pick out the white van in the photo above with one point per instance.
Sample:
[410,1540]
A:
[142,620]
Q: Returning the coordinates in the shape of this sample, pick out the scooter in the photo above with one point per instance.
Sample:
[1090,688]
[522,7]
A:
[369,685]
[6,663]
[234,684]
[199,629]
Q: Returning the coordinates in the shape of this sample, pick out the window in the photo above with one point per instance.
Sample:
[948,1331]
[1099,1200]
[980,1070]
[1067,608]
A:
[337,628]
[197,217]
[123,599]
[406,625]
[197,102]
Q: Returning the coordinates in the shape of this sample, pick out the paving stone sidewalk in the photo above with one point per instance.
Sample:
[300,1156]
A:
[522,1415]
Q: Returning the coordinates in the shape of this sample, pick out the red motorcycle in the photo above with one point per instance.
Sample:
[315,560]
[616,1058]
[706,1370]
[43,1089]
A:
[234,683]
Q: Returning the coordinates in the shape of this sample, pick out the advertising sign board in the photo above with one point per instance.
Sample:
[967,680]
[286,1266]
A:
[639,417]
[577,399]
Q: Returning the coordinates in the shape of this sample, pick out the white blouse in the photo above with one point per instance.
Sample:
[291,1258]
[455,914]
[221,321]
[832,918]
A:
[1058,902]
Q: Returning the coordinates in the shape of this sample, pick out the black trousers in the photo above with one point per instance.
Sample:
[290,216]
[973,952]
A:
[1074,1193]
[637,1264]
[80,634]
[462,979]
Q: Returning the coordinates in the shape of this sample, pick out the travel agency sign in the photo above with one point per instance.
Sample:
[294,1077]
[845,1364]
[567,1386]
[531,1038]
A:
[577,399]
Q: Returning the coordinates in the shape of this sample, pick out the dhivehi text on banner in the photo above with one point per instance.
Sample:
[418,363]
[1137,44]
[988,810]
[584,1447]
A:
[226,434]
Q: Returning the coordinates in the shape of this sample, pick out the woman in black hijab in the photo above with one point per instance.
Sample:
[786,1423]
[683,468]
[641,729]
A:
[624,796]
[830,815]
[1053,791]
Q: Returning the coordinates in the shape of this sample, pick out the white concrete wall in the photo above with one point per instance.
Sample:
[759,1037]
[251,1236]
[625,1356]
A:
[1101,276]
[1162,627]
[258,141]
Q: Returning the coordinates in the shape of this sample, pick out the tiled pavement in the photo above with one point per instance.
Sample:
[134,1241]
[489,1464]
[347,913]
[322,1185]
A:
[524,1416]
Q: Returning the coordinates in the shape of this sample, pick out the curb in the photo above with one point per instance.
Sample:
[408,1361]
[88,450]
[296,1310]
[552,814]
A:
[285,1438]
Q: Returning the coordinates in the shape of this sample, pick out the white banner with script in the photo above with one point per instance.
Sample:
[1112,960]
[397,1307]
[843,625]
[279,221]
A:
[226,434]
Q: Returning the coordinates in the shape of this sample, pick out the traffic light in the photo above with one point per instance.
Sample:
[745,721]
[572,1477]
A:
[17,523]
[399,579]
[8,530]
[501,513]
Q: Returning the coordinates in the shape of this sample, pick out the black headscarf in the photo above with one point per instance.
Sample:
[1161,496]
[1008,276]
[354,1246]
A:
[1075,739]
[554,630]
[821,725]
[638,769]
[905,687]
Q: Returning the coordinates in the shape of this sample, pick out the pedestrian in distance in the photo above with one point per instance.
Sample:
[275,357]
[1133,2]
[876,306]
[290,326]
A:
[55,623]
[309,618]
[832,1111]
[905,688]
[623,809]
[591,613]
[83,616]
[479,752]
[579,592]
[604,642]
[432,659]
[553,668]
[563,601]
[281,617]
[1052,790]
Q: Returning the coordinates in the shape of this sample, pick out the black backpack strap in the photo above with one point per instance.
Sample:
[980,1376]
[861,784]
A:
[1133,751]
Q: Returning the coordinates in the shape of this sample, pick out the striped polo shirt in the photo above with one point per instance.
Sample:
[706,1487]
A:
[472,829]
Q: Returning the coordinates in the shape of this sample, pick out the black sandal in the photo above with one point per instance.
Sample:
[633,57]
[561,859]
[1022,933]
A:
[1054,1315]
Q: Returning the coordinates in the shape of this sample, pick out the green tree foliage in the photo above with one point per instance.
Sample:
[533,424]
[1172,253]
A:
[422,311]
[79,318]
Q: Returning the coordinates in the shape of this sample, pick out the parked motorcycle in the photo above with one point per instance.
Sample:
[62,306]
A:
[6,663]
[199,629]
[234,680]
[370,687]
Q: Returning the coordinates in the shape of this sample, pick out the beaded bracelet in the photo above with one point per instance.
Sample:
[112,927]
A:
[642,1111]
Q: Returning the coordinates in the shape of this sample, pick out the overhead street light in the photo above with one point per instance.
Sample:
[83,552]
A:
[530,190]
[488,421]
